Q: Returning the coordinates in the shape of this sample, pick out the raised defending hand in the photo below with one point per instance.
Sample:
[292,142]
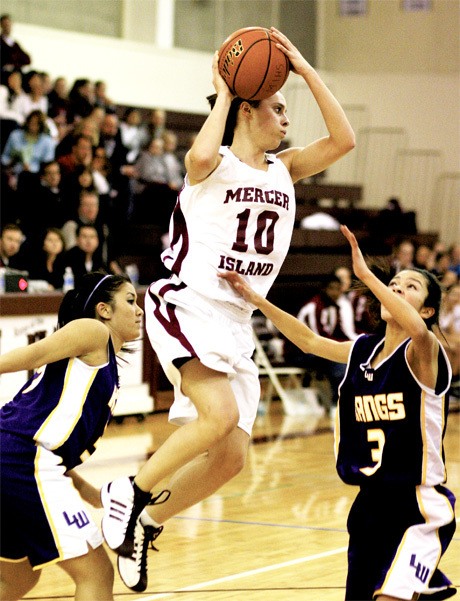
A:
[360,267]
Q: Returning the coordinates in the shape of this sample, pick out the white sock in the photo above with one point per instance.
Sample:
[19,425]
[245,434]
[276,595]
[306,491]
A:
[146,520]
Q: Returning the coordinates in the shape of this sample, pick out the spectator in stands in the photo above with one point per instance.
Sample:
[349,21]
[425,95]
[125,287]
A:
[441,264]
[323,315]
[9,119]
[133,135]
[176,177]
[424,257]
[101,169]
[88,126]
[155,125]
[80,155]
[12,56]
[85,255]
[47,261]
[11,239]
[75,183]
[33,97]
[345,302]
[42,202]
[121,171]
[454,254]
[154,196]
[59,107]
[101,99]
[81,97]
[13,84]
[449,323]
[29,146]
[86,213]
[403,256]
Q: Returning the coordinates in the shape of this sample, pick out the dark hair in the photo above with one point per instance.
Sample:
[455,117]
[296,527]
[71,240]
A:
[41,121]
[94,288]
[385,273]
[230,124]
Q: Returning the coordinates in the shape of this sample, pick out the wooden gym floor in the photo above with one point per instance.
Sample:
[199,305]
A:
[275,532]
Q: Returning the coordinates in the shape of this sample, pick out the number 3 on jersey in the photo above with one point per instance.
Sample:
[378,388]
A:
[265,229]
[378,436]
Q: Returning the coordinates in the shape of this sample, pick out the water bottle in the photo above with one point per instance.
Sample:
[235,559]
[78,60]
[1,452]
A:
[132,272]
[68,280]
[2,280]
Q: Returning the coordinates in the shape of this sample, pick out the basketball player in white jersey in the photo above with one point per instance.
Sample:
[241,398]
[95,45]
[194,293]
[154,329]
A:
[235,212]
[391,419]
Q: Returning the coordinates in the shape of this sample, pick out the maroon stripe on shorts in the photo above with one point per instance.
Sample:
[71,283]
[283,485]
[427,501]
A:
[171,323]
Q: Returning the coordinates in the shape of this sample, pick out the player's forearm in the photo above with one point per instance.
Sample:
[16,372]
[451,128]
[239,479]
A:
[333,114]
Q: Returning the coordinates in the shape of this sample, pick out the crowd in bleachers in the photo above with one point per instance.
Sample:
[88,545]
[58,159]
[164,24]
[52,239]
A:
[71,159]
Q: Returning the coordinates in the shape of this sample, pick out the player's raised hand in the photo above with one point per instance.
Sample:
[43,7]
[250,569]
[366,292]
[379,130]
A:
[360,267]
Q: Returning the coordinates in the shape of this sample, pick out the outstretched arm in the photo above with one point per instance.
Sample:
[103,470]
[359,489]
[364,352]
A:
[296,331]
[424,348]
[77,338]
[317,156]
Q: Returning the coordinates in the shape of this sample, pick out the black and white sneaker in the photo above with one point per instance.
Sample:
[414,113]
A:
[123,502]
[133,569]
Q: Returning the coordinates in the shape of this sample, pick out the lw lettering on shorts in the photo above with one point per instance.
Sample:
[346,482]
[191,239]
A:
[421,571]
[80,519]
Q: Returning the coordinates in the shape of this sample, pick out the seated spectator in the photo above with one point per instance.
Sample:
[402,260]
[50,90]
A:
[29,146]
[176,177]
[133,135]
[454,254]
[155,126]
[424,257]
[403,256]
[154,197]
[11,239]
[9,120]
[47,261]
[323,315]
[87,212]
[344,302]
[101,99]
[13,84]
[42,204]
[80,155]
[59,107]
[33,98]
[81,97]
[441,264]
[12,56]
[85,255]
[88,127]
[85,178]
[121,171]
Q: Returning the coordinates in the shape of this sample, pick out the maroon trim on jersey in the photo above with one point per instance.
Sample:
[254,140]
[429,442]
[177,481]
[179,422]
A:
[179,231]
[171,324]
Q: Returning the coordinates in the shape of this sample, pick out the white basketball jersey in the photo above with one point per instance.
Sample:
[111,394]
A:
[238,219]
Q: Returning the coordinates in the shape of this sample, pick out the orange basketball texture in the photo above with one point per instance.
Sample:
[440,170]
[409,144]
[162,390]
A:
[251,64]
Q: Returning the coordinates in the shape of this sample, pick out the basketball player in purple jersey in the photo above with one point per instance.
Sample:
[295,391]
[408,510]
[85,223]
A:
[390,424]
[52,425]
[235,212]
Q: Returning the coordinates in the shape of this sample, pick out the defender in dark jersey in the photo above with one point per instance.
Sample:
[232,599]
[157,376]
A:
[390,425]
[52,425]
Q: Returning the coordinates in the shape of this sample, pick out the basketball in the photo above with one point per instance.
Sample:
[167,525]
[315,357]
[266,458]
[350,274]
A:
[251,64]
